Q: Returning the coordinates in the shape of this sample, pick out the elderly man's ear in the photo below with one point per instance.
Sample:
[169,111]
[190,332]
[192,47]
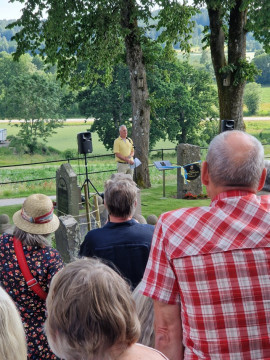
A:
[262,179]
[205,174]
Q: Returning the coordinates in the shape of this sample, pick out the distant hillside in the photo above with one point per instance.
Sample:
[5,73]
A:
[201,19]
[6,44]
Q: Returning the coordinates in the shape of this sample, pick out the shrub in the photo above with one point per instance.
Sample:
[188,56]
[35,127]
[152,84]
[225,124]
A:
[252,97]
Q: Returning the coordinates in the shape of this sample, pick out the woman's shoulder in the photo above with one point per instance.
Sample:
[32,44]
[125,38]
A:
[144,352]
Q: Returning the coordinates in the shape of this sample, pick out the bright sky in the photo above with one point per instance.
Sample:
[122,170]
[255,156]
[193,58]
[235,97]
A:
[10,11]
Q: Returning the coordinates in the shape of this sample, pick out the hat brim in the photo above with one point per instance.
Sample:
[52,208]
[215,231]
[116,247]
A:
[40,229]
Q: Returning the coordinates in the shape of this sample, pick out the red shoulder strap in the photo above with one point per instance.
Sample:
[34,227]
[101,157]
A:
[30,280]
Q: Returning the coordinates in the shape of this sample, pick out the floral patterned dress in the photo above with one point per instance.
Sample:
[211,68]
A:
[43,263]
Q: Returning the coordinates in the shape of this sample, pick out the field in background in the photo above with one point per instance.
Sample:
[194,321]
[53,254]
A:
[66,138]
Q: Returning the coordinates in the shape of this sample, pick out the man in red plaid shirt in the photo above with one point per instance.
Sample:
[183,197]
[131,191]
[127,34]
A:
[209,267]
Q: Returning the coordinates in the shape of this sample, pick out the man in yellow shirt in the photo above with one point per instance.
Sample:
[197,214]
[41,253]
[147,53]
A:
[124,151]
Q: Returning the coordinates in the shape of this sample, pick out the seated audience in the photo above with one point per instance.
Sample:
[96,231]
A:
[91,315]
[12,336]
[208,270]
[122,241]
[27,264]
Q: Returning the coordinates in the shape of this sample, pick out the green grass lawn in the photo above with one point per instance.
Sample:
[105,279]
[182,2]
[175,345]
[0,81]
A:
[265,94]
[66,138]
[152,201]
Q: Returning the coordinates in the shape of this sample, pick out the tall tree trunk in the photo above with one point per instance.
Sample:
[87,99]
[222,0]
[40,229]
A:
[139,91]
[230,96]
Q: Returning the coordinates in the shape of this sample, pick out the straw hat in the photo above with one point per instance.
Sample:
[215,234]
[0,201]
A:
[36,215]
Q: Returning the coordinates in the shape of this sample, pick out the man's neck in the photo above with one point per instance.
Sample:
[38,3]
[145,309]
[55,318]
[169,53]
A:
[116,219]
[230,188]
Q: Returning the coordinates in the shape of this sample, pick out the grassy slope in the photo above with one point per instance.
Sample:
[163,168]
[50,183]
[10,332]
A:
[151,200]
[66,138]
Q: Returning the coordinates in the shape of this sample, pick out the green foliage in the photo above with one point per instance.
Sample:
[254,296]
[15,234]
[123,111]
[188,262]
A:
[262,62]
[243,71]
[20,147]
[252,97]
[181,97]
[35,98]
[109,105]
[70,153]
[175,88]
[259,21]
[176,24]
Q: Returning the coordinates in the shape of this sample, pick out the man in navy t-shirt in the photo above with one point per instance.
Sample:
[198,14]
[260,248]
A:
[122,241]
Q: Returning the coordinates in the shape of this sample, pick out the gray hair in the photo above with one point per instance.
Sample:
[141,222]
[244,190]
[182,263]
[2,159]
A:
[120,197]
[145,312]
[227,169]
[120,127]
[97,313]
[28,239]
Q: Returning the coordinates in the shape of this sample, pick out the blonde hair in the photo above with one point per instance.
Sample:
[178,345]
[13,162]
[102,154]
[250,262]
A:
[90,310]
[12,336]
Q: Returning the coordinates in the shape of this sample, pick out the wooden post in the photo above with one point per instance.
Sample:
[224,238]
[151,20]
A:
[97,214]
[87,207]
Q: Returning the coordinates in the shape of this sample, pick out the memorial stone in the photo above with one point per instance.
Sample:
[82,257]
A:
[68,193]
[67,238]
[188,155]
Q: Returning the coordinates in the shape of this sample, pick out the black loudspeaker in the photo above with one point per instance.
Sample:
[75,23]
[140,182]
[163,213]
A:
[227,125]
[84,143]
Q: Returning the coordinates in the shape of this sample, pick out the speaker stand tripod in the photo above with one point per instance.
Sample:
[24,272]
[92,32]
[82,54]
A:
[87,181]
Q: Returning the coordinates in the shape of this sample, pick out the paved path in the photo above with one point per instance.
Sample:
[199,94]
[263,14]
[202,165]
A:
[17,201]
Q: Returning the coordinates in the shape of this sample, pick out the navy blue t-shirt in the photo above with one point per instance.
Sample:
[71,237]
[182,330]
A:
[126,245]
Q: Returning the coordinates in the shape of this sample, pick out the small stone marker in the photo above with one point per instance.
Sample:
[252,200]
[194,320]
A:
[68,193]
[67,238]
[188,155]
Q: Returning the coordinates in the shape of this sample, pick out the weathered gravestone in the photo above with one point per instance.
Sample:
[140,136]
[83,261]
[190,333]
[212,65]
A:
[188,155]
[68,193]
[67,238]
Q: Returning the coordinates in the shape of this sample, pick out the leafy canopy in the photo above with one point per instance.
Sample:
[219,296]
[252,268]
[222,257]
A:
[92,32]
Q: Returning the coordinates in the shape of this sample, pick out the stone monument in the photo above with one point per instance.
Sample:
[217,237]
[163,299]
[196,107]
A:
[67,238]
[68,193]
[188,155]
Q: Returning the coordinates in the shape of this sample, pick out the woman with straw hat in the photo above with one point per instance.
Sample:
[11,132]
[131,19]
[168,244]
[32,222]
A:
[27,265]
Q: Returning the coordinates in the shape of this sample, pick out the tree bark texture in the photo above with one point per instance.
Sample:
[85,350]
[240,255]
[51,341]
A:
[230,96]
[139,92]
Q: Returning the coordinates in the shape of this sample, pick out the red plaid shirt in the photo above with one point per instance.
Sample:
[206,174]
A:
[215,262]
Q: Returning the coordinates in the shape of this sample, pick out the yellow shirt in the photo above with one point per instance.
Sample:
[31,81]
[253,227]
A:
[124,147]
